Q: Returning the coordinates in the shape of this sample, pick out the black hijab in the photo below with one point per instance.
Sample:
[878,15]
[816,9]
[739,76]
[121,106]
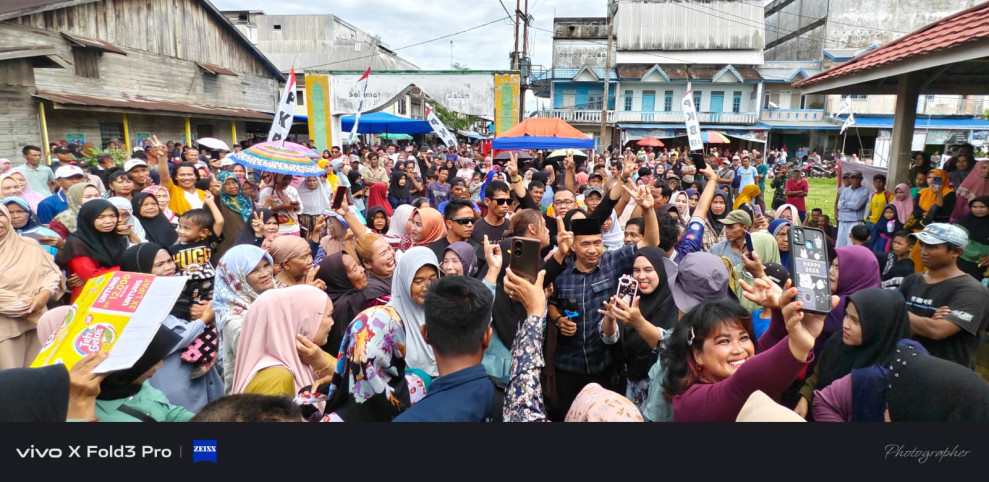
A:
[923,388]
[714,219]
[139,259]
[884,320]
[370,219]
[978,228]
[105,248]
[34,394]
[401,193]
[157,229]
[347,300]
[658,309]
[246,235]
[120,384]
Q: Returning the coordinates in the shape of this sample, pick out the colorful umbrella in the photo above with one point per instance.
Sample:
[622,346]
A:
[283,158]
[714,137]
[650,142]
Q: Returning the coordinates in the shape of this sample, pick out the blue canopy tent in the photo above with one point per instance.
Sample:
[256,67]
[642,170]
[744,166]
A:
[539,142]
[542,133]
[382,122]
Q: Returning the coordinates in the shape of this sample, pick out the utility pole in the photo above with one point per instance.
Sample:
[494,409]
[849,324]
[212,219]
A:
[515,53]
[524,81]
[607,72]
[451,55]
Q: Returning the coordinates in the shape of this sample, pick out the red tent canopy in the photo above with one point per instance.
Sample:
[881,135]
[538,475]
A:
[544,127]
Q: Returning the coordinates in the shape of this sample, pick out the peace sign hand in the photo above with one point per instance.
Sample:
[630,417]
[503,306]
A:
[257,224]
[643,196]
[564,238]
[513,165]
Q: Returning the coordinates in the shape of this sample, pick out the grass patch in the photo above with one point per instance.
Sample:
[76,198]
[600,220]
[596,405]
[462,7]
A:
[821,194]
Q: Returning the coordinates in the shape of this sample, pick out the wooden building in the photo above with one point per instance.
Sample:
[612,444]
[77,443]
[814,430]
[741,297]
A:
[102,70]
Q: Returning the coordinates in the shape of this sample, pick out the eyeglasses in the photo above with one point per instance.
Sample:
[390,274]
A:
[563,202]
[501,201]
[463,221]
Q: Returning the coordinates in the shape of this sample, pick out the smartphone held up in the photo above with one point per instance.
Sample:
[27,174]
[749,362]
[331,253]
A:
[809,267]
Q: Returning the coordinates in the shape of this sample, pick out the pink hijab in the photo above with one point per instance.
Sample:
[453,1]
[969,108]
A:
[5,166]
[49,322]
[27,193]
[974,183]
[596,404]
[904,208]
[267,338]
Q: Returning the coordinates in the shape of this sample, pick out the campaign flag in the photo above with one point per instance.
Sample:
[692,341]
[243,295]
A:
[286,111]
[448,138]
[690,119]
[850,121]
[361,87]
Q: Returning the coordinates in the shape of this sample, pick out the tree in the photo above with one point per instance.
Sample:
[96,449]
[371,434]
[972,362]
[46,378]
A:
[454,120]
[460,67]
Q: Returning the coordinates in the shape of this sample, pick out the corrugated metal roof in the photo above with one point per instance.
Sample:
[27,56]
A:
[680,73]
[784,75]
[965,26]
[216,69]
[125,103]
[335,58]
[671,26]
[570,73]
[809,125]
[922,123]
[759,126]
[92,43]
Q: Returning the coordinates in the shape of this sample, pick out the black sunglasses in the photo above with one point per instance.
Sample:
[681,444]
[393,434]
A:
[463,221]
[501,201]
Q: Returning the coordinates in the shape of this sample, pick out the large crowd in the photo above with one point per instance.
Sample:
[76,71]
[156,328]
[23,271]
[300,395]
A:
[399,299]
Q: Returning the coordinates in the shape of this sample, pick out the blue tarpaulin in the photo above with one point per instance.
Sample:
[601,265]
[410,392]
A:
[382,122]
[536,142]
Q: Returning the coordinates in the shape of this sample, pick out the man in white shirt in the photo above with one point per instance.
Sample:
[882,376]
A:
[40,177]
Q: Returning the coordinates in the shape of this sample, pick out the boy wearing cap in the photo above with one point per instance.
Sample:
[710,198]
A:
[948,309]
[726,176]
[852,204]
[66,176]
[139,173]
[736,224]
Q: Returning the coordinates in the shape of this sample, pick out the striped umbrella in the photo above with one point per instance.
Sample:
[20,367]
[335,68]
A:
[714,137]
[279,157]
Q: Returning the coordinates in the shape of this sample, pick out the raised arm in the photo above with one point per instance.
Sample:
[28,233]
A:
[569,170]
[210,203]
[643,197]
[704,203]
[164,177]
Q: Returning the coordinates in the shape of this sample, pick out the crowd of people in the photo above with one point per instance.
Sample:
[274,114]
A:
[400,301]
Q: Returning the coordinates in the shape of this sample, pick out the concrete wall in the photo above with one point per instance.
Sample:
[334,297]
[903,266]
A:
[748,103]
[581,91]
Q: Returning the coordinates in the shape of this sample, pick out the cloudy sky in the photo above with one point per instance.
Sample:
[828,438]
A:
[404,22]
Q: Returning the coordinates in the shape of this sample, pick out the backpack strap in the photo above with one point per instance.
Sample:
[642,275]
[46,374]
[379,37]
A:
[498,400]
[133,412]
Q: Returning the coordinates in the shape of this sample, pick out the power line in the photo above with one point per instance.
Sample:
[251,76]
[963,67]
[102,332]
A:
[406,46]
[750,23]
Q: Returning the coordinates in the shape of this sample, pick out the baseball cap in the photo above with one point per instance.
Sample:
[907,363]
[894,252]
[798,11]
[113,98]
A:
[688,178]
[777,272]
[68,171]
[938,233]
[846,175]
[132,163]
[597,175]
[857,174]
[459,182]
[61,150]
[594,189]
[738,217]
[699,277]
[226,161]
[736,158]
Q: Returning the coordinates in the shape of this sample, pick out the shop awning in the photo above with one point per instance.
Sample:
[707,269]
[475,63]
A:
[141,105]
[886,122]
[823,125]
[721,127]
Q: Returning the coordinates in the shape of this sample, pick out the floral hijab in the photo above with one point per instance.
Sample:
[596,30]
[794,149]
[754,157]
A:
[73,197]
[231,293]
[240,203]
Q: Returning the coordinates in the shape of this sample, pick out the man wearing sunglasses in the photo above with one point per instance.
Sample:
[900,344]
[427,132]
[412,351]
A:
[498,202]
[459,217]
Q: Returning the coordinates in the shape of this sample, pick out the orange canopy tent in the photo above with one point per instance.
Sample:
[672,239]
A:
[542,133]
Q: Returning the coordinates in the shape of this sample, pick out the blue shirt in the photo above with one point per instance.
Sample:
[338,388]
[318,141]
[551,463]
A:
[852,203]
[585,352]
[49,207]
[442,207]
[463,396]
[747,176]
[692,240]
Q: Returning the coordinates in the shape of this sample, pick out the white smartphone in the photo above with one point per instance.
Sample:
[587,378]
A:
[628,287]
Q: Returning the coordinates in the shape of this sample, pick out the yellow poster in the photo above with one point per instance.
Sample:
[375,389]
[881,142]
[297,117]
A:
[318,110]
[117,313]
[506,101]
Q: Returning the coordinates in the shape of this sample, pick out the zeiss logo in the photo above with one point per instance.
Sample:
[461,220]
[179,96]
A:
[204,451]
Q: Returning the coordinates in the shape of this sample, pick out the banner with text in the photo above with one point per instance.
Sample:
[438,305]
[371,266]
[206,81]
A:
[285,114]
[690,119]
[440,129]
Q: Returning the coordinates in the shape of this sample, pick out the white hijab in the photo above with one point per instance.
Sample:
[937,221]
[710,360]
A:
[122,203]
[418,354]
[314,201]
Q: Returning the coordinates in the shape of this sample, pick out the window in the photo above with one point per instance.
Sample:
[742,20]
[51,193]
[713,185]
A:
[111,131]
[697,100]
[668,101]
[401,106]
[736,101]
[765,99]
[278,27]
[86,61]
[628,100]
[209,83]
[854,96]
[594,100]
[300,97]
[204,130]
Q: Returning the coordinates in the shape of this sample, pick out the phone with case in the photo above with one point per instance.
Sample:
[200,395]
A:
[809,267]
[628,287]
[525,258]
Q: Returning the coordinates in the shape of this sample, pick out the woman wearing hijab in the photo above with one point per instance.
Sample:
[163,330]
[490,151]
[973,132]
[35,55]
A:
[315,194]
[875,321]
[279,352]
[236,209]
[425,226]
[459,259]
[975,259]
[293,258]
[377,220]
[399,190]
[490,177]
[161,194]
[378,196]
[788,212]
[261,231]
[24,295]
[768,252]
[714,231]
[127,395]
[933,206]
[643,323]
[242,275]
[155,225]
[976,184]
[127,224]
[924,388]
[780,229]
[595,403]
[284,199]
[26,224]
[23,190]
[746,195]
[345,280]
[95,247]
[179,377]
[882,233]
[903,202]
[65,222]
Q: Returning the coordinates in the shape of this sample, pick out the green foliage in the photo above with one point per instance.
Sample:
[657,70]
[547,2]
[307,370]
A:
[119,157]
[453,120]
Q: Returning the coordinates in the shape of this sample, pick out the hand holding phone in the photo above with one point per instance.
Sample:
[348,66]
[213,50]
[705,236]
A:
[757,210]
[748,243]
[809,268]
[339,197]
[628,287]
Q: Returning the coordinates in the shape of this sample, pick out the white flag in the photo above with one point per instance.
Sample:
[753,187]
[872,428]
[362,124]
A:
[846,107]
[361,87]
[445,135]
[286,111]
[850,121]
[690,119]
